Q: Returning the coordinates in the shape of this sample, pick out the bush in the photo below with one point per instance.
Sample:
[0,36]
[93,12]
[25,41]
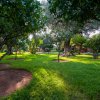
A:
[94,44]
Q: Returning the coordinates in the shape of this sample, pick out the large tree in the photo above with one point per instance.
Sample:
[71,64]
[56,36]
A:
[76,10]
[17,18]
[74,13]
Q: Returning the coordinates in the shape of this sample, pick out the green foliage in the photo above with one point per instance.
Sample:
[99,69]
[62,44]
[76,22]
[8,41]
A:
[59,38]
[47,43]
[47,47]
[22,44]
[40,41]
[33,45]
[76,10]
[78,39]
[94,43]
[18,18]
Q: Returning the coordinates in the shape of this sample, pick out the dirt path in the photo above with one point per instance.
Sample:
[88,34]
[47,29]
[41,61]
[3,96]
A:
[4,66]
[12,79]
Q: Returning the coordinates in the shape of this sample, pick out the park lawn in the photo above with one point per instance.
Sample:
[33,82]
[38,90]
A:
[1,54]
[77,79]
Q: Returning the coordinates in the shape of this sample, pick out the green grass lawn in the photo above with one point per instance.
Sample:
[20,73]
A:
[78,79]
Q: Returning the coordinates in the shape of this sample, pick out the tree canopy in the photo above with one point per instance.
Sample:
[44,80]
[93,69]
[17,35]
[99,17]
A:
[76,10]
[78,39]
[94,43]
[19,17]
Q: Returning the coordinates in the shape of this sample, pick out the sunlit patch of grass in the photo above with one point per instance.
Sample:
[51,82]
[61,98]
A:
[50,83]
[86,59]
[52,55]
[49,78]
[1,54]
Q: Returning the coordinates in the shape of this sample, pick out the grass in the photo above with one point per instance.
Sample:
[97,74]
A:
[78,79]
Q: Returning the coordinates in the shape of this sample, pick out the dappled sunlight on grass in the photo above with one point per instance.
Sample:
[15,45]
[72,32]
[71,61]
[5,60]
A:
[86,59]
[52,55]
[1,54]
[47,77]
[50,83]
[79,60]
[83,55]
[53,85]
[13,56]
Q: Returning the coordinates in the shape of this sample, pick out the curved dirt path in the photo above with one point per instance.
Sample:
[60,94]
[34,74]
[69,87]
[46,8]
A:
[4,66]
[12,79]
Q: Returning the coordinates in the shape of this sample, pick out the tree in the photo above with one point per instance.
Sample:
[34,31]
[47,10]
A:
[79,40]
[18,18]
[58,40]
[79,12]
[47,43]
[26,18]
[94,44]
[47,47]
[33,44]
[68,30]
[22,44]
[75,10]
[73,15]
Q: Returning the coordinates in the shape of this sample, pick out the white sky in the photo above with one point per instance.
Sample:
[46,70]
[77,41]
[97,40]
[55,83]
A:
[30,37]
[95,32]
[42,1]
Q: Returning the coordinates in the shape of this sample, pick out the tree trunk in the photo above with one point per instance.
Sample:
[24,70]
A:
[16,55]
[72,51]
[33,50]
[67,47]
[9,50]
[95,55]
[80,48]
[58,56]
[1,45]
[65,50]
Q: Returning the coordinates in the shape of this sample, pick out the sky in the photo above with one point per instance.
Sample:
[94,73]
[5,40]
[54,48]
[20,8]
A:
[42,1]
[95,32]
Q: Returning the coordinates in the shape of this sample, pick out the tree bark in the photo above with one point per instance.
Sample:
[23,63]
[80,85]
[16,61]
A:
[16,55]
[1,45]
[95,55]
[80,48]
[58,56]
[9,50]
[66,47]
